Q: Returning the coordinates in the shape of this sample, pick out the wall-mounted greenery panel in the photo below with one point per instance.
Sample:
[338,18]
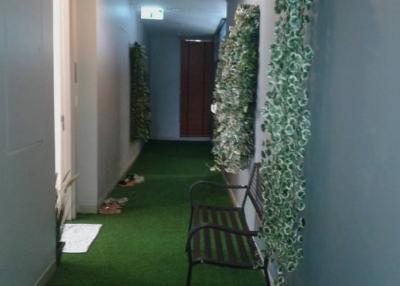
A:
[235,93]
[140,94]
[287,121]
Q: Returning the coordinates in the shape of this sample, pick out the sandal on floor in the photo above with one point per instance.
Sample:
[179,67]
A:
[109,210]
[121,201]
[115,205]
[138,179]
[127,185]
[129,181]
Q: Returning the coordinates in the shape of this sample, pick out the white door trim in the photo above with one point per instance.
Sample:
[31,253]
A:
[64,111]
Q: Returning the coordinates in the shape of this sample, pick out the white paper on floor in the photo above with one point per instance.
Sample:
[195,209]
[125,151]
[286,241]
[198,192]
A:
[79,237]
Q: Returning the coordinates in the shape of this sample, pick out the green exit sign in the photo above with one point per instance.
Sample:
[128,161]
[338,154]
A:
[152,13]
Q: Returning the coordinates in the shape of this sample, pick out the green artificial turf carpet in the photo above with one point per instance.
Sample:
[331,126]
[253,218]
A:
[145,244]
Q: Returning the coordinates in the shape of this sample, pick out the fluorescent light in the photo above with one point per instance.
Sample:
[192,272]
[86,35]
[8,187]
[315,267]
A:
[152,13]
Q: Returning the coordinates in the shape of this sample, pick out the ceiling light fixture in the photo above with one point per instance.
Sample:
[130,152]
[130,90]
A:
[152,13]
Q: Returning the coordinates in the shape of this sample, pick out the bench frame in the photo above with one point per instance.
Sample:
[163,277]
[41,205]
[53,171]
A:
[253,193]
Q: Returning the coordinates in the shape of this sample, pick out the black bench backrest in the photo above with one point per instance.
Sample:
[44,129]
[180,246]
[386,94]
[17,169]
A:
[255,191]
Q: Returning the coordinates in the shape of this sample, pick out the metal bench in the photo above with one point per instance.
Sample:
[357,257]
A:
[220,236]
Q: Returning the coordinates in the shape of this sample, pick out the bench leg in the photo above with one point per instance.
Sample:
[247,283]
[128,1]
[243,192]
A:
[266,274]
[267,282]
[190,225]
[189,276]
[190,219]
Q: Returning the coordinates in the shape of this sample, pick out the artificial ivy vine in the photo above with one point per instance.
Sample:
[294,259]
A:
[235,93]
[287,121]
[140,94]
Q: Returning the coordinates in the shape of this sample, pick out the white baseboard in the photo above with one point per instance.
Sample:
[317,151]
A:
[199,139]
[46,275]
[195,139]
[88,209]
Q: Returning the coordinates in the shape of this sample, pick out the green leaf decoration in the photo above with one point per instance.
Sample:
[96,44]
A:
[235,93]
[287,121]
[140,94]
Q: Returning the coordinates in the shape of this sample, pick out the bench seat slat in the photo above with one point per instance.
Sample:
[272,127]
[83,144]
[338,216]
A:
[235,217]
[228,239]
[207,243]
[217,235]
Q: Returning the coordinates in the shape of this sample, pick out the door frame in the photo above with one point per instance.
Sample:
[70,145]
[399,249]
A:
[63,93]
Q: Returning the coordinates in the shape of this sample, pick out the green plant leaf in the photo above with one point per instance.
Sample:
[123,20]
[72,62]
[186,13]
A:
[287,120]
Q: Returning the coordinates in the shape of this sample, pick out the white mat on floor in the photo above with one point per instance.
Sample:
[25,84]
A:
[79,237]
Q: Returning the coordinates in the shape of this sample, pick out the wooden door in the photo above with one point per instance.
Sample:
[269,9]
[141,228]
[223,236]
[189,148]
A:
[197,79]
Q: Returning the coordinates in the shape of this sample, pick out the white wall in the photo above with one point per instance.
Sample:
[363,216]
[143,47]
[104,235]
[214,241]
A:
[27,170]
[165,81]
[106,29]
[86,157]
[115,33]
[133,26]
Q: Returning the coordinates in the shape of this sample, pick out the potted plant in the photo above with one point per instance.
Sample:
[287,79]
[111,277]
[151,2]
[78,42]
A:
[62,190]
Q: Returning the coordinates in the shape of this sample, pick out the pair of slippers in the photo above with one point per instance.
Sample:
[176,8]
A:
[113,206]
[120,201]
[131,181]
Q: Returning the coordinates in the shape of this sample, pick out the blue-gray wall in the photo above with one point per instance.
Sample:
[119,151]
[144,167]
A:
[165,66]
[353,161]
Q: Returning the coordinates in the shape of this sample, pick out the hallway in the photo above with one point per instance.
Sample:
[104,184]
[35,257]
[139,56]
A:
[144,245]
[305,91]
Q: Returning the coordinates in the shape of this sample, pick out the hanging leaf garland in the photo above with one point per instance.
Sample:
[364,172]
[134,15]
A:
[287,121]
[140,94]
[235,93]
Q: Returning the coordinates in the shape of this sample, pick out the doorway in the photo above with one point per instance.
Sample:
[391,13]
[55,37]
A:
[197,78]
[63,108]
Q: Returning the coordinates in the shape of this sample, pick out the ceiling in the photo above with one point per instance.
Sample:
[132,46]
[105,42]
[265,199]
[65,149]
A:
[195,18]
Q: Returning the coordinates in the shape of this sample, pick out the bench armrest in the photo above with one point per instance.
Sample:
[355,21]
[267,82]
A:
[220,228]
[197,185]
